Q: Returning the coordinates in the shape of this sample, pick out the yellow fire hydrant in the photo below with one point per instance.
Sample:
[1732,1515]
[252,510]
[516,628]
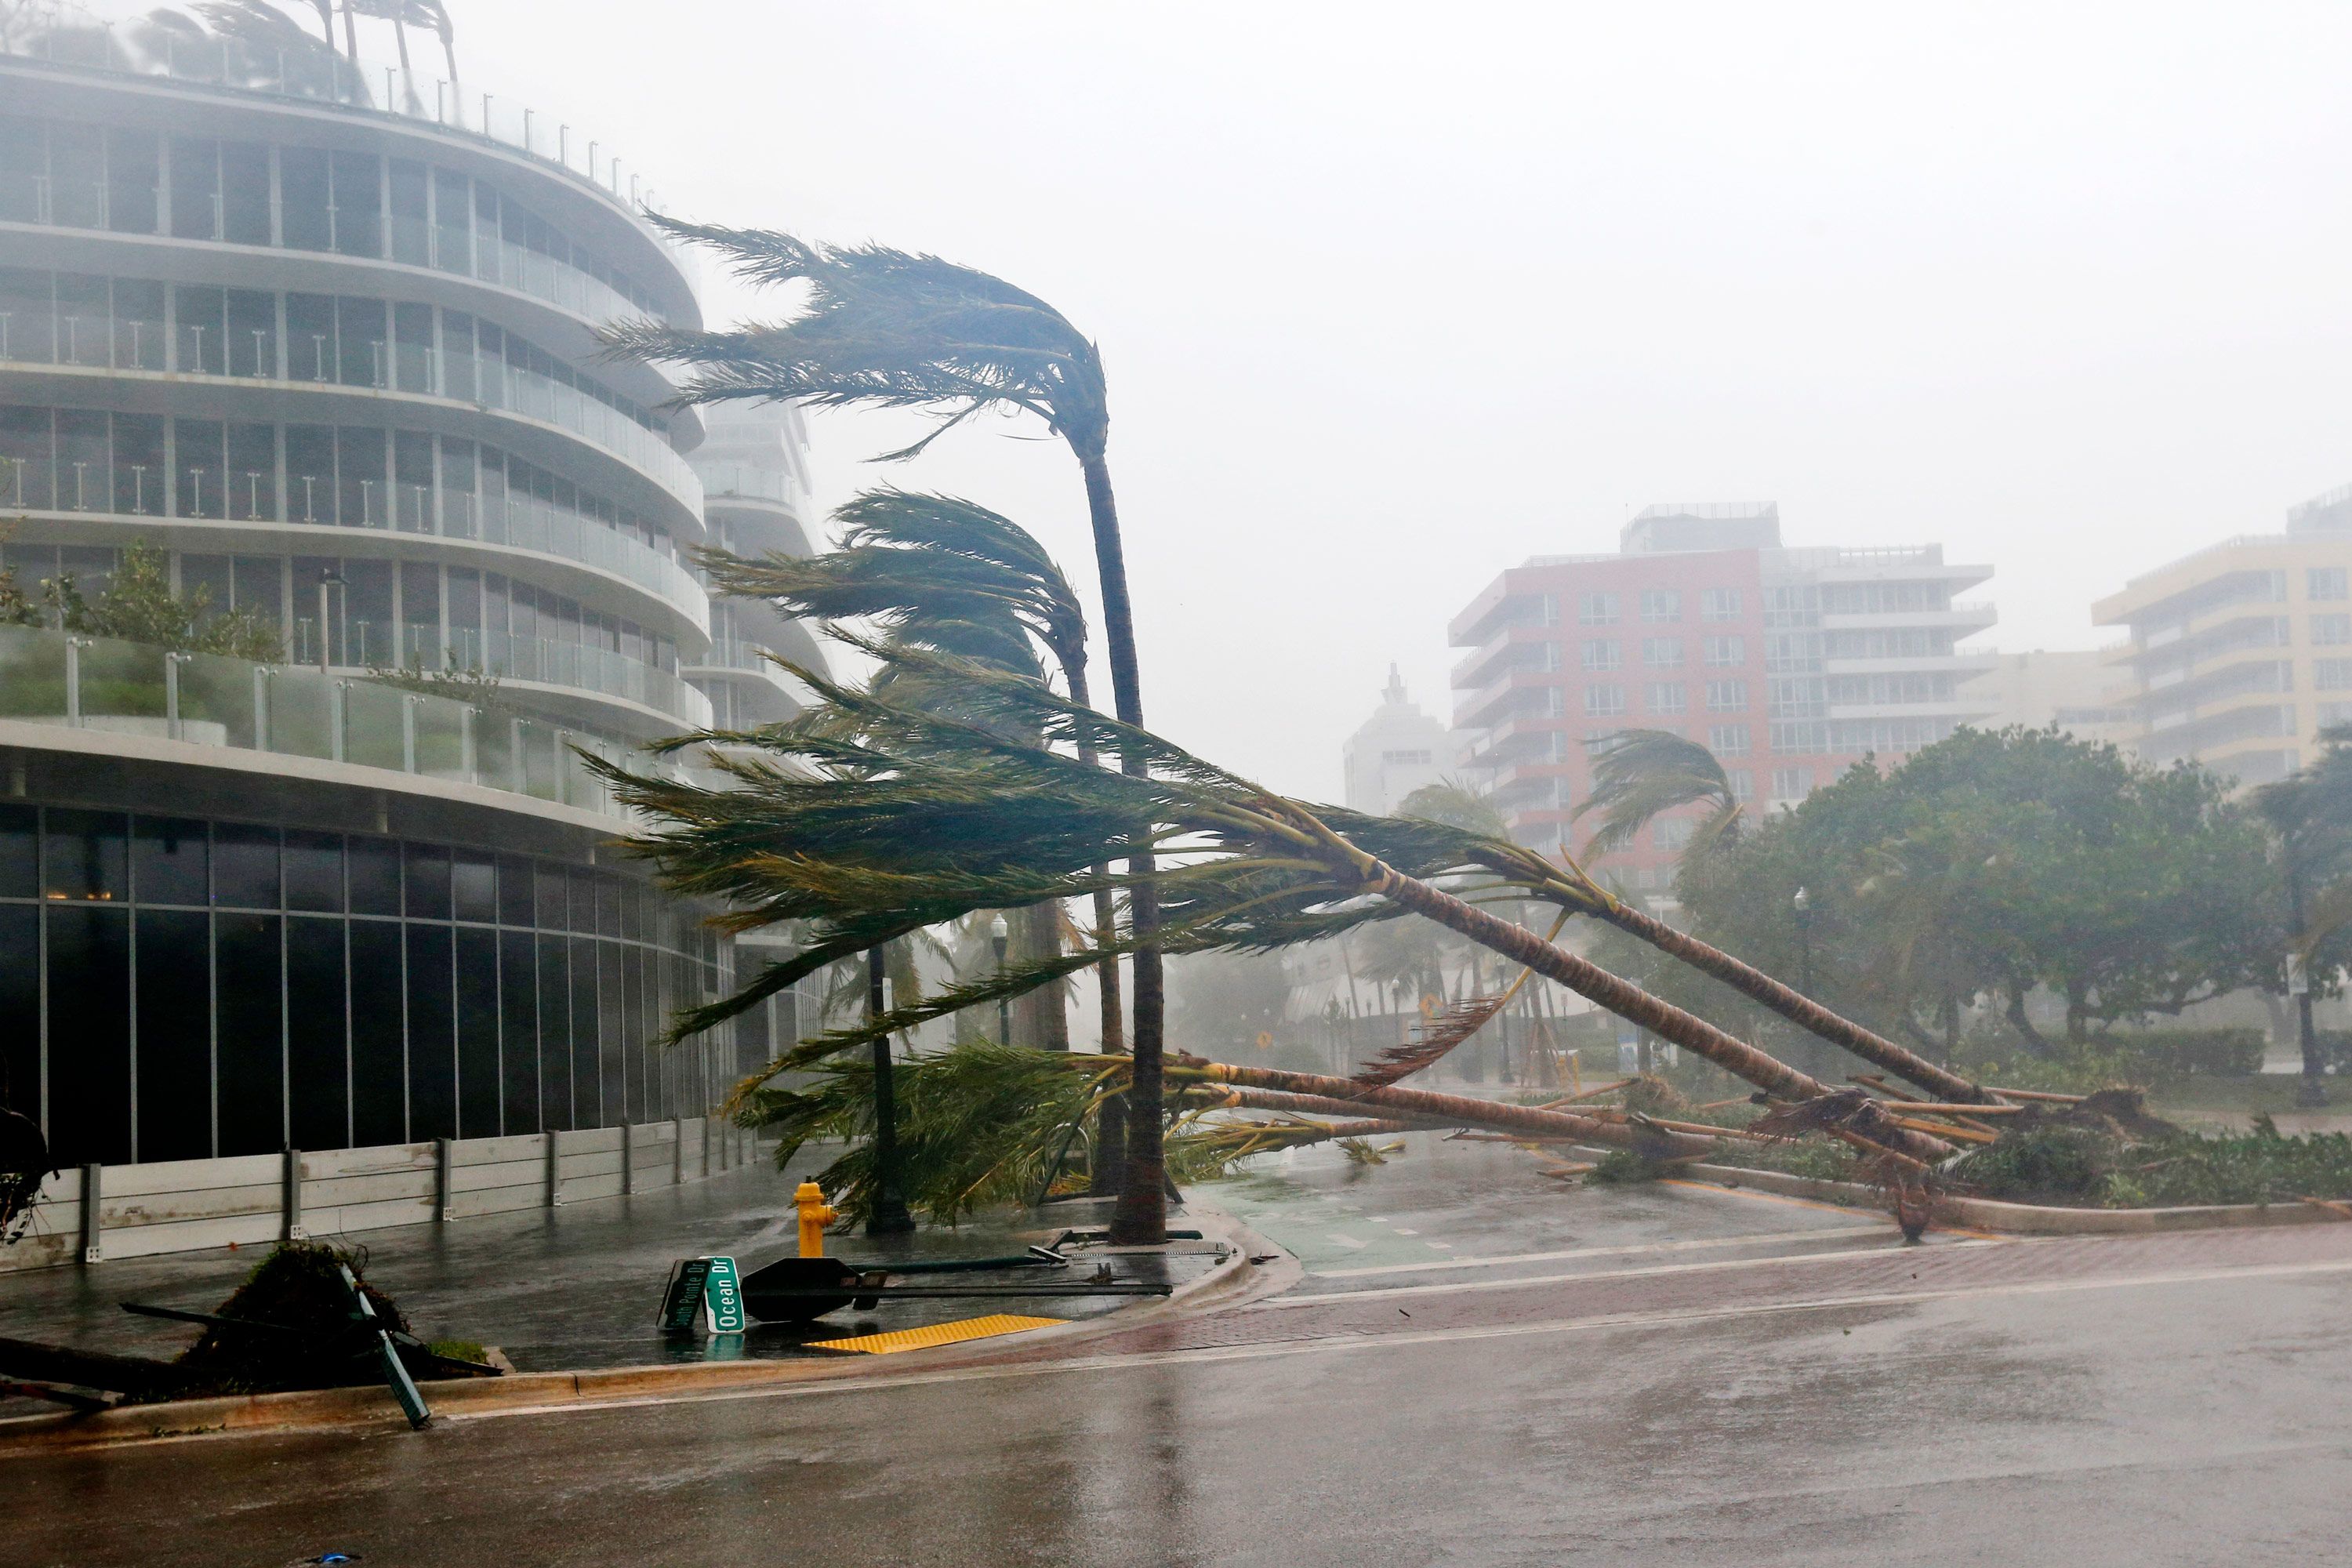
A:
[816,1215]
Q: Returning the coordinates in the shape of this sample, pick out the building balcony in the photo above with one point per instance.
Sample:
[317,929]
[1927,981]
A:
[431,113]
[181,706]
[1484,709]
[1507,643]
[1961,620]
[1957,663]
[1957,709]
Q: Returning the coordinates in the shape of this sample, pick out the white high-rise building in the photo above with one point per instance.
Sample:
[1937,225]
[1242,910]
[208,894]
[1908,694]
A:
[1397,750]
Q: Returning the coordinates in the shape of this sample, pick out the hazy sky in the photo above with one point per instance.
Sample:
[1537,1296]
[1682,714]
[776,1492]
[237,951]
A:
[1394,297]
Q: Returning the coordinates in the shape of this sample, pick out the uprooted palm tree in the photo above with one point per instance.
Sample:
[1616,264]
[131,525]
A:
[888,329]
[924,818]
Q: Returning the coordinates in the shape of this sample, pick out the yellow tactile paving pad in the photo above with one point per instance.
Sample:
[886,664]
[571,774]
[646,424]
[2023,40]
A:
[936,1334]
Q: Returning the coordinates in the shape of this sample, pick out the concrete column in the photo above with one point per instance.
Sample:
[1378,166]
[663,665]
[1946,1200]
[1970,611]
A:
[293,1178]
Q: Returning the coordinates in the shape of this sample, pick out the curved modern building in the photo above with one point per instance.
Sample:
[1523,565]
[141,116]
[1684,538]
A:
[336,364]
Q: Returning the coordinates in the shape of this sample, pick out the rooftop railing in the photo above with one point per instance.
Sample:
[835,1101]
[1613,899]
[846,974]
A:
[107,685]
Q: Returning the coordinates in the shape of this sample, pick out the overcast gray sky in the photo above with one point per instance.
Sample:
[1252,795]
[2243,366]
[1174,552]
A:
[1392,296]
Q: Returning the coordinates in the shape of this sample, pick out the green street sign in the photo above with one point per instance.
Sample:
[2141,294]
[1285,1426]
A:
[703,1284]
[722,1296]
[682,1300]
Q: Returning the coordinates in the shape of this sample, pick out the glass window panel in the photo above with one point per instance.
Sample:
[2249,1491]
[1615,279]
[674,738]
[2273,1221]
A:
[28,332]
[302,196]
[412,356]
[358,210]
[514,891]
[88,855]
[554,1033]
[252,473]
[169,861]
[252,326]
[614,1038]
[318,1088]
[375,876]
[140,339]
[474,879]
[517,1030]
[77,176]
[379,1010]
[245,867]
[20,852]
[90,1055]
[176,1033]
[245,192]
[261,588]
[362,344]
[310,473]
[428,882]
[196,188]
[583,899]
[586,1083]
[452,209]
[478,1032]
[412,478]
[310,352]
[91,567]
[20,1008]
[410,242]
[360,462]
[432,1038]
[24,166]
[459,370]
[139,464]
[200,329]
[199,462]
[554,889]
[250,1039]
[28,464]
[314,871]
[85,461]
[133,173]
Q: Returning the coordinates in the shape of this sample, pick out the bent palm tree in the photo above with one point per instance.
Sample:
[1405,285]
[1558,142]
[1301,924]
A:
[938,816]
[1645,773]
[889,328]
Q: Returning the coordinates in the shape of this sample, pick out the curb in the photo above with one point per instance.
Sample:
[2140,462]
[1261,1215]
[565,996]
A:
[1232,1279]
[2024,1219]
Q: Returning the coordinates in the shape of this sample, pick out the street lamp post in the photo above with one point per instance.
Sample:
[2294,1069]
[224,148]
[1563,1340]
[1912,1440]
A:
[889,1216]
[1803,904]
[998,932]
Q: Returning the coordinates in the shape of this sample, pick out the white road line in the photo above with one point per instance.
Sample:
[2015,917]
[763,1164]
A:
[1358,1343]
[1630,1249]
[1468,1286]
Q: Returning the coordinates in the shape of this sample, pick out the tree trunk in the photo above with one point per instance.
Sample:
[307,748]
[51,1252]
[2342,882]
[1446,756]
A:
[2018,1019]
[1456,1109]
[1040,1016]
[351,37]
[1800,1010]
[1142,1216]
[1633,1003]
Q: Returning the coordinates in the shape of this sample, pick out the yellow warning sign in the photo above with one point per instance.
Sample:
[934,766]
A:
[936,1334]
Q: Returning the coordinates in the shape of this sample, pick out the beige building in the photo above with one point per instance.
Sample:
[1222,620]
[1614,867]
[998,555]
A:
[2241,654]
[1395,751]
[2078,692]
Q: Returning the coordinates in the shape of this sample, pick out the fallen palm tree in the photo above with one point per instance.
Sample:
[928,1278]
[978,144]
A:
[915,819]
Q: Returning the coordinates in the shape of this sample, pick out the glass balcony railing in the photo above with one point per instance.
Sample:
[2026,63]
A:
[722,479]
[319,75]
[361,643]
[134,689]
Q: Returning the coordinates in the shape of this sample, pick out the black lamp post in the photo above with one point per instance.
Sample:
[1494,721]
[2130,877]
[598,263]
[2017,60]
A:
[998,933]
[889,1216]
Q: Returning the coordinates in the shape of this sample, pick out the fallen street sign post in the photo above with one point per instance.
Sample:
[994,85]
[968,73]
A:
[699,1288]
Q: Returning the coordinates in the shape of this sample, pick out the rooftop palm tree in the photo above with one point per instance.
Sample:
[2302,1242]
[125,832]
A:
[889,328]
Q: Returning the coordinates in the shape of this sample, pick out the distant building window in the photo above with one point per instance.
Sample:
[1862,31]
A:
[1551,609]
[2332,713]
[2326,583]
[1727,697]
[1661,604]
[1551,654]
[2331,675]
[1671,836]
[1604,701]
[1556,702]
[1662,653]
[1791,784]
[1601,654]
[1727,740]
[2331,631]
[1718,604]
[1668,697]
[1743,783]
[1407,759]
[1596,610]
[1725,653]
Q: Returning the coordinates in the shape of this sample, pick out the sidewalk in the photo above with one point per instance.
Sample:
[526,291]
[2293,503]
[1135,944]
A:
[576,1288]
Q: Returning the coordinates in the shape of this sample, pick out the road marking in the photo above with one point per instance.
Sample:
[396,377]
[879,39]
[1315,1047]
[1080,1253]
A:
[1464,1288]
[1406,1340]
[1731,1192]
[1403,1231]
[1624,1249]
[1344,1240]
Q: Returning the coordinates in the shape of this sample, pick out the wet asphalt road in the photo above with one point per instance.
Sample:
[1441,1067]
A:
[1486,1367]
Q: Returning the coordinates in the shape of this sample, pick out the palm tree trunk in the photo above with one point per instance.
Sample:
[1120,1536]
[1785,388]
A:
[1110,1159]
[350,35]
[1799,1009]
[1141,1219]
[1633,1003]
[1454,1109]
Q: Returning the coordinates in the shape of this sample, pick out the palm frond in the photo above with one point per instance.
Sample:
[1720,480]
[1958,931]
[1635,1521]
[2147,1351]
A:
[1643,774]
